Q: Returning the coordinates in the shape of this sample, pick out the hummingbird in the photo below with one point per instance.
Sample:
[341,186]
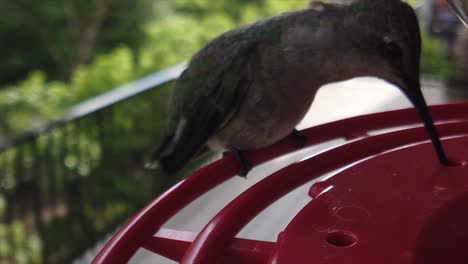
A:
[249,87]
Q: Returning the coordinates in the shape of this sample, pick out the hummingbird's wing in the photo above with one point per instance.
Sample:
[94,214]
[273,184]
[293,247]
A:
[206,96]
[210,91]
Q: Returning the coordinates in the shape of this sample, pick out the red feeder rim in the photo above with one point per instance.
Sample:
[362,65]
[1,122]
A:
[396,204]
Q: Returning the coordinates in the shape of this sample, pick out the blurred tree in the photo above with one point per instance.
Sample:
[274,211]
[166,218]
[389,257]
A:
[58,36]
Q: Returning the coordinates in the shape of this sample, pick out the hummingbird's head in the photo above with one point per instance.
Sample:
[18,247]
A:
[389,36]
[391,40]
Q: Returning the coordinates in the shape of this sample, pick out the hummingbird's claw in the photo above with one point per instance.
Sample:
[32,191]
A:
[301,139]
[244,164]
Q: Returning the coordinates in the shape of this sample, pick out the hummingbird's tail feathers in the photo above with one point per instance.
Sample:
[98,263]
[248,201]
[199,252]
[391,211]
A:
[152,165]
[155,161]
[178,148]
[170,156]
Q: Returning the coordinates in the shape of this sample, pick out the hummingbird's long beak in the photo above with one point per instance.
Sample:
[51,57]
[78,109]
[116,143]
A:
[414,94]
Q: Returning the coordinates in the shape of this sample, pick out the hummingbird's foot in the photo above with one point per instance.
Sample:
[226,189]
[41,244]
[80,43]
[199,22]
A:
[301,139]
[244,164]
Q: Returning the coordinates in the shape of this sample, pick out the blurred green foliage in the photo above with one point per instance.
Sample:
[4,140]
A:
[58,36]
[88,176]
[97,168]
[26,247]
[434,59]
[181,28]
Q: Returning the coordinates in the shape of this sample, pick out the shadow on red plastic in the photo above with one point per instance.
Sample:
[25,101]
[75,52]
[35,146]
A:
[341,239]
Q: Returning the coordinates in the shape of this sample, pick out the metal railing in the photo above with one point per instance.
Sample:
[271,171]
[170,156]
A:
[65,185]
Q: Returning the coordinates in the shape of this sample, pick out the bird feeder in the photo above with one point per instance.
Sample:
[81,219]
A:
[392,203]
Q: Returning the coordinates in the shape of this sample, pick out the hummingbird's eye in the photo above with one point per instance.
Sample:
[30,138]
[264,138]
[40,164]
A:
[392,49]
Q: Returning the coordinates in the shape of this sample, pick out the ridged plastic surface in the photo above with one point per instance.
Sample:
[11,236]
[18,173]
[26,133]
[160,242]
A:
[396,204]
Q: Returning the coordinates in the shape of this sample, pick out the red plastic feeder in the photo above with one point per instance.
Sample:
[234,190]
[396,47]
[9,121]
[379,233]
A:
[396,204]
